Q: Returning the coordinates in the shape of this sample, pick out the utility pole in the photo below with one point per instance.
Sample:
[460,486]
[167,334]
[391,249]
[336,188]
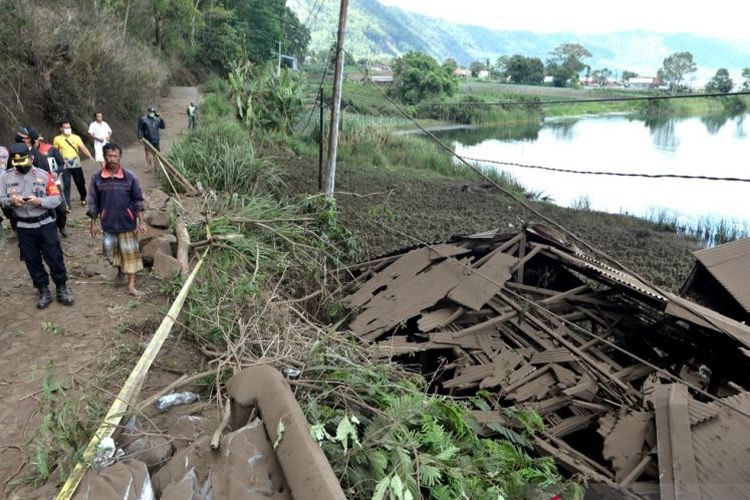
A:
[320,141]
[278,64]
[338,77]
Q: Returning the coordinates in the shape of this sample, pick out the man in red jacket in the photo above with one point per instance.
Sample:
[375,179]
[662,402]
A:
[116,199]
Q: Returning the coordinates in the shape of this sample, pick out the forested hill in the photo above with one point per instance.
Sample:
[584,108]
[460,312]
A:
[375,30]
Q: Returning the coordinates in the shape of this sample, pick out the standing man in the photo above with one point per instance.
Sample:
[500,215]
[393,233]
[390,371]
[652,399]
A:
[71,145]
[54,165]
[148,130]
[101,133]
[192,113]
[33,196]
[115,197]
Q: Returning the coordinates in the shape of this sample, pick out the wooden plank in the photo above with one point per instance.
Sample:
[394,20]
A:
[559,355]
[683,457]
[438,319]
[476,289]
[664,442]
[572,424]
[388,309]
[405,268]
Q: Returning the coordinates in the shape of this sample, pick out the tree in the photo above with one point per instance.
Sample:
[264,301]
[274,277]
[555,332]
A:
[720,82]
[627,75]
[501,67]
[675,68]
[746,76]
[475,67]
[566,63]
[417,76]
[450,64]
[526,70]
[601,76]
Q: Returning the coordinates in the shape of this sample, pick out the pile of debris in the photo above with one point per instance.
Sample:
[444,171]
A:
[268,452]
[640,390]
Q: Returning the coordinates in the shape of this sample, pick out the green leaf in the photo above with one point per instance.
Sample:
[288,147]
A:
[381,489]
[345,431]
[318,432]
[397,487]
[279,434]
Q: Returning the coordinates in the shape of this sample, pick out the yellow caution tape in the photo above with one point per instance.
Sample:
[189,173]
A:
[129,390]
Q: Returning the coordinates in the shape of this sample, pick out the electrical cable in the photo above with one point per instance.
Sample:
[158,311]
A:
[570,323]
[581,101]
[528,207]
[617,174]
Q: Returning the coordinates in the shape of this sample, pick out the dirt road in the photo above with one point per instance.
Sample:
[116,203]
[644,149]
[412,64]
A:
[85,339]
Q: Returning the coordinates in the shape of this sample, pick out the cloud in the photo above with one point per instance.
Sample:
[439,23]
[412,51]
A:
[586,16]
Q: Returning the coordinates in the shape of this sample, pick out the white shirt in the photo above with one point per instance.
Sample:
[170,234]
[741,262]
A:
[100,131]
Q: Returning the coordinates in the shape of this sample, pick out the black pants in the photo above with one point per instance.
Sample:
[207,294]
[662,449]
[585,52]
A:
[8,212]
[61,216]
[77,174]
[42,242]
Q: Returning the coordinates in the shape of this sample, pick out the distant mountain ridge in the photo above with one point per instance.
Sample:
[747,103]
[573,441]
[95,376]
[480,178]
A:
[375,31]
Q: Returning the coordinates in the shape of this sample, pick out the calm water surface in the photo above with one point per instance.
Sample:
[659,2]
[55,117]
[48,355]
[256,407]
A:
[712,145]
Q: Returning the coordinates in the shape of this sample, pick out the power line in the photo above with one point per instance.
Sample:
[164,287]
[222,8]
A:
[617,174]
[531,209]
[570,323]
[310,16]
[580,101]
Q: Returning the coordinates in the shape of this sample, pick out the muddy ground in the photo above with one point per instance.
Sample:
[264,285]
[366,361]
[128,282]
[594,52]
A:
[392,208]
[95,341]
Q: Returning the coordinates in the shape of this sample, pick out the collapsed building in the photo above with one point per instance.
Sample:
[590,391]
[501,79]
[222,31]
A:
[641,391]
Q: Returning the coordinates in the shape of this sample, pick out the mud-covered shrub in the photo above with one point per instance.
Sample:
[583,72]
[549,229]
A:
[59,59]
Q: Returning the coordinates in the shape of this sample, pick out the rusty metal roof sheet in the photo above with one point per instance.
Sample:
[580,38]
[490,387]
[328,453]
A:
[730,265]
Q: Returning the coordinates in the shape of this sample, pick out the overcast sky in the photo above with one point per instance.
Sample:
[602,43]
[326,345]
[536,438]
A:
[591,16]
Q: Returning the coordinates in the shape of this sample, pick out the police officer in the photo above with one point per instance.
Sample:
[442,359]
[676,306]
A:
[33,196]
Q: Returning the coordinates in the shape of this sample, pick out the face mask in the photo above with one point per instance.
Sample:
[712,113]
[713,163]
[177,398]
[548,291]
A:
[24,170]
[151,115]
[67,131]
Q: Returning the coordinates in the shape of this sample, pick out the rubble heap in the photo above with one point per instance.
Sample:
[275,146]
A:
[640,390]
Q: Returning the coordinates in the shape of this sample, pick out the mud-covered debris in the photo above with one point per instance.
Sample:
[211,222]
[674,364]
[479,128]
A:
[591,348]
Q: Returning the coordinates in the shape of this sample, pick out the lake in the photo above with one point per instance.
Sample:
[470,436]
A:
[715,145]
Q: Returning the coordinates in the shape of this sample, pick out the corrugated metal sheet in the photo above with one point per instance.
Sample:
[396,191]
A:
[708,318]
[608,272]
[721,449]
[730,265]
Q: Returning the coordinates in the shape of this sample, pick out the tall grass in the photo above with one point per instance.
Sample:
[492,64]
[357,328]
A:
[708,230]
[220,155]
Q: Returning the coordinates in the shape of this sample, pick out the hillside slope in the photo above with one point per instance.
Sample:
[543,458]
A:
[375,30]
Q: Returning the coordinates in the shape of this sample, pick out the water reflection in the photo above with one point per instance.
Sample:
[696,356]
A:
[563,129]
[663,133]
[717,145]
[714,122]
[528,132]
[740,132]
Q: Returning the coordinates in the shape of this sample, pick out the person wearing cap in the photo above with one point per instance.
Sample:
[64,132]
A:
[148,130]
[29,136]
[101,133]
[33,196]
[71,145]
[116,199]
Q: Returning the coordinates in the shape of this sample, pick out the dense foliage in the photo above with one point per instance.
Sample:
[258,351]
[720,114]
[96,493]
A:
[721,82]
[58,60]
[418,76]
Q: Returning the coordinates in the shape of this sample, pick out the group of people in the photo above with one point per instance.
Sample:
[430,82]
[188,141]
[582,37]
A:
[35,195]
